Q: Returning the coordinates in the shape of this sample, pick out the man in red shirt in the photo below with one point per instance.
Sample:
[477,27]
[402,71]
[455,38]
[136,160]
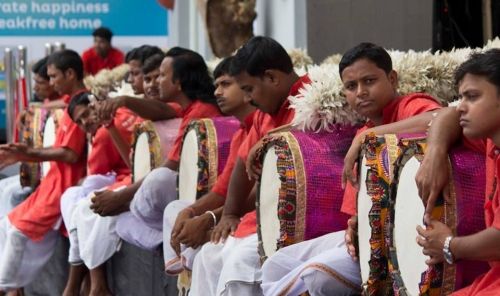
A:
[102,55]
[183,80]
[478,113]
[323,266]
[29,233]
[190,224]
[264,71]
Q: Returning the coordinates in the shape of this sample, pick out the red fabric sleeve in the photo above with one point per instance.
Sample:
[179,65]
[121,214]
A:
[69,135]
[416,105]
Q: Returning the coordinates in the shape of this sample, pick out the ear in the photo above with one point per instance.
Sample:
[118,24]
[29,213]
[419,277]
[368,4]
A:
[393,78]
[271,76]
[70,74]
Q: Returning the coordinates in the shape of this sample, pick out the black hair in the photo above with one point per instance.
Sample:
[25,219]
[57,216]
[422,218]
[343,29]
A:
[376,54]
[142,53]
[103,33]
[40,68]
[260,54]
[152,63]
[224,67]
[80,99]
[190,70]
[67,59]
[486,64]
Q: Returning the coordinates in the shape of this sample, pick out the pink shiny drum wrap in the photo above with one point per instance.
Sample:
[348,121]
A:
[309,166]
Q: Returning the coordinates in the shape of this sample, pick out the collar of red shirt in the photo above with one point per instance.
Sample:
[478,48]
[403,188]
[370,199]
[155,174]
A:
[294,90]
[247,123]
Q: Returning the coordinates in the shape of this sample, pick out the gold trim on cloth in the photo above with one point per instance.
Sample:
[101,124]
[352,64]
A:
[212,151]
[300,181]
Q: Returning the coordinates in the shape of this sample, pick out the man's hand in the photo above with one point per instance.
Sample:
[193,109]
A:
[350,162]
[108,203]
[432,240]
[433,178]
[195,231]
[182,217]
[350,237]
[106,109]
[253,167]
[227,226]
[12,153]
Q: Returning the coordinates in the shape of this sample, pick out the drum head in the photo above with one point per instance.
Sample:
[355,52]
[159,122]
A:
[268,203]
[142,156]
[364,229]
[408,213]
[188,167]
[49,138]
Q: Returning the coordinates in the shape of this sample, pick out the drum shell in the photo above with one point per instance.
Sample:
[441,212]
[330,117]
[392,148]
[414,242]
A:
[310,170]
[32,134]
[161,136]
[214,136]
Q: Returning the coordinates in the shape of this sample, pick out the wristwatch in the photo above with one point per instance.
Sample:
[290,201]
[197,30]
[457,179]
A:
[448,256]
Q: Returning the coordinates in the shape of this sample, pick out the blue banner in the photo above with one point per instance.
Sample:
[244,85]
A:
[81,17]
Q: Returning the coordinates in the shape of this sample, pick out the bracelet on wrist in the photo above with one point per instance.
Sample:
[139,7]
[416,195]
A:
[213,217]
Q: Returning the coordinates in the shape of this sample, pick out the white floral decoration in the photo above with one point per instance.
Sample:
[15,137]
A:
[300,58]
[321,105]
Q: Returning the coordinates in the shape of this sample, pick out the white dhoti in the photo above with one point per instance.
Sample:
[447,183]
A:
[321,266]
[231,268]
[22,258]
[174,264]
[144,230]
[11,194]
[93,237]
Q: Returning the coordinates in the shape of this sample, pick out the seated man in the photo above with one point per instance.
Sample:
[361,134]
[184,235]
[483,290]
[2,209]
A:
[478,81]
[29,233]
[11,193]
[323,266]
[106,169]
[151,71]
[229,264]
[187,226]
[184,80]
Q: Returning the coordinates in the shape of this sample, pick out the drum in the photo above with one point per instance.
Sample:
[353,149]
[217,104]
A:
[39,130]
[389,209]
[151,143]
[300,196]
[205,149]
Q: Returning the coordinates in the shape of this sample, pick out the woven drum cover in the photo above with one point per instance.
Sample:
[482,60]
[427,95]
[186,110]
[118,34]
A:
[323,160]
[225,128]
[229,24]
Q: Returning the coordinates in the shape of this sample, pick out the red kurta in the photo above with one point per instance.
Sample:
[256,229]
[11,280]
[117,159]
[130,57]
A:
[399,109]
[262,124]
[41,210]
[196,110]
[489,283]
[222,183]
[104,156]
[93,63]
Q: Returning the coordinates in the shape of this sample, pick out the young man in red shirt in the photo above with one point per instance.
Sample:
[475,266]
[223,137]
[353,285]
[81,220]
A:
[190,224]
[230,264]
[102,55]
[478,81]
[327,265]
[29,233]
